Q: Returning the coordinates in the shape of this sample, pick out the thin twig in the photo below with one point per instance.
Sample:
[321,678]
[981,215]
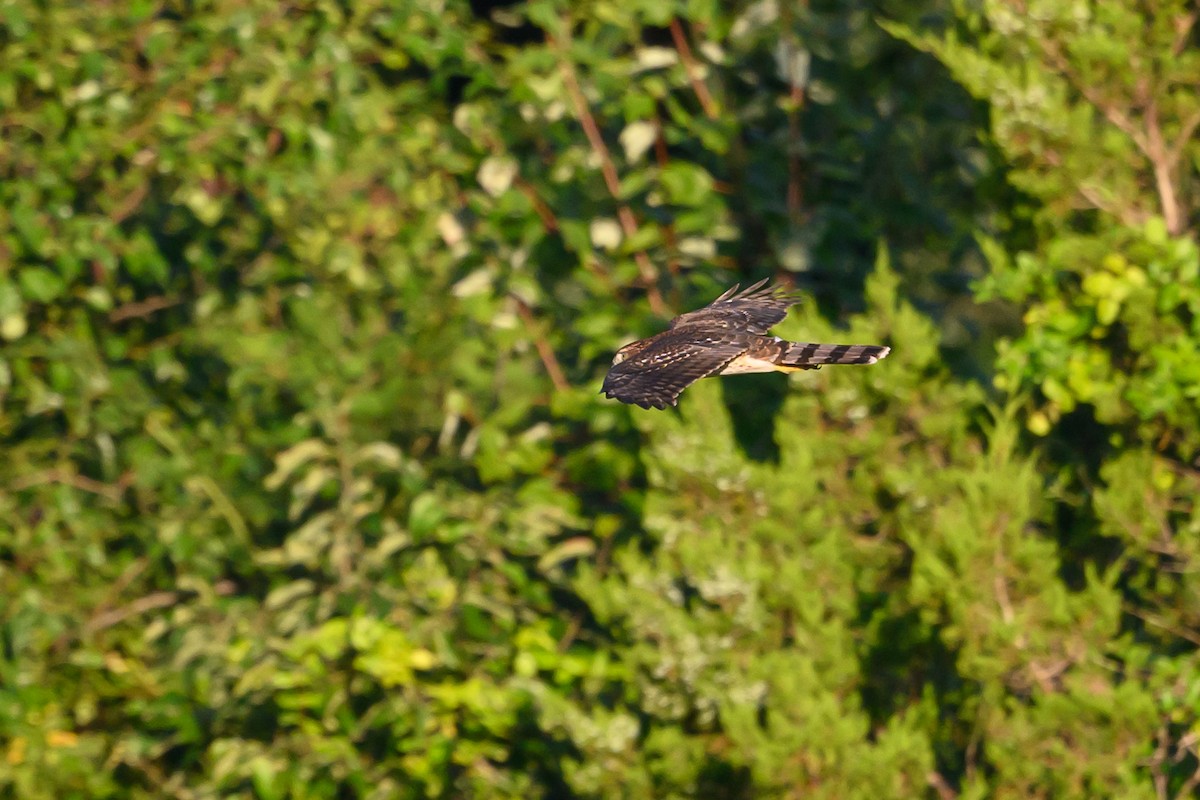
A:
[124,580]
[130,202]
[1183,30]
[543,211]
[1184,138]
[795,165]
[662,157]
[1000,587]
[602,561]
[142,308]
[1130,217]
[1156,763]
[568,638]
[1163,159]
[795,187]
[1189,786]
[150,602]
[689,65]
[1160,159]
[1162,624]
[113,491]
[1046,677]
[609,171]
[944,790]
[545,351]
[1111,111]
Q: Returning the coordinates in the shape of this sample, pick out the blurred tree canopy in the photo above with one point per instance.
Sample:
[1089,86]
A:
[307,490]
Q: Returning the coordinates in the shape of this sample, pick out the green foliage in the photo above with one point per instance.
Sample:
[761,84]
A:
[1115,329]
[1099,128]
[308,492]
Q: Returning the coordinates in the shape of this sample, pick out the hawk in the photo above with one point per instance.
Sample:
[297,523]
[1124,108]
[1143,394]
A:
[726,337]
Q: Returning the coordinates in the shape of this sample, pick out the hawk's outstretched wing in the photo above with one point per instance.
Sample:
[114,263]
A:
[726,337]
[654,377]
[754,310]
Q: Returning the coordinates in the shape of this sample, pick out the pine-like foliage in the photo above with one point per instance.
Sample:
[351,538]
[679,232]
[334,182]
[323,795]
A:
[308,491]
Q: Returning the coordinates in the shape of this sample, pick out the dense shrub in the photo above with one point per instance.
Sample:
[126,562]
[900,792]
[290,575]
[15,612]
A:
[308,490]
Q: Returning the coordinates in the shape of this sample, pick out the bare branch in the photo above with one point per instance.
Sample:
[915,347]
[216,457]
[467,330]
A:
[944,790]
[150,602]
[1184,139]
[689,65]
[1130,216]
[130,202]
[1183,748]
[1163,160]
[539,205]
[797,96]
[1183,31]
[545,351]
[109,491]
[1111,111]
[1156,764]
[608,169]
[1163,624]
[1160,159]
[142,308]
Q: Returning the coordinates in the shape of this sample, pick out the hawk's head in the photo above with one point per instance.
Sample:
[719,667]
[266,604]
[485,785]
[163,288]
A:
[631,349]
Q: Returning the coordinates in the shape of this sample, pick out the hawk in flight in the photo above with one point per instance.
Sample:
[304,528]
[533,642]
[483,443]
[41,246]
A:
[726,337]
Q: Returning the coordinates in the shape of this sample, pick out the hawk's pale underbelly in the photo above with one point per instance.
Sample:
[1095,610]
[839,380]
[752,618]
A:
[743,365]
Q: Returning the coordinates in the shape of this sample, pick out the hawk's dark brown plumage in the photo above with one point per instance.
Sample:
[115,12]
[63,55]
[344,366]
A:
[726,337]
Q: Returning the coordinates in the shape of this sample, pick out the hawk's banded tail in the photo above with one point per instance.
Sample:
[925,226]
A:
[808,355]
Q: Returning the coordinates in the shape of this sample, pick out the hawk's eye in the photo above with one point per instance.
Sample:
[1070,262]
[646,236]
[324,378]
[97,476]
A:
[625,352]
